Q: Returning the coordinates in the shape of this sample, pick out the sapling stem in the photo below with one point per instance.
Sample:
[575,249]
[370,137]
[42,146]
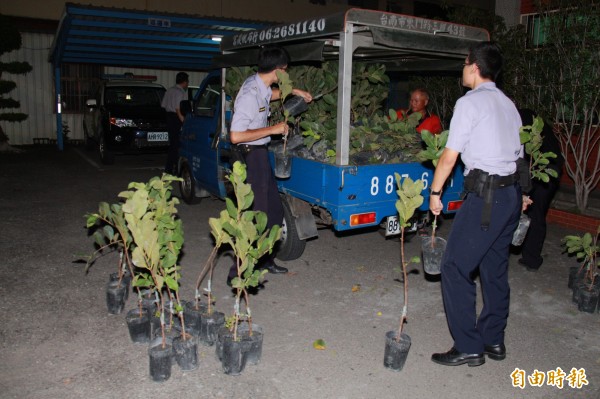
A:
[433,227]
[403,317]
[208,265]
[181,318]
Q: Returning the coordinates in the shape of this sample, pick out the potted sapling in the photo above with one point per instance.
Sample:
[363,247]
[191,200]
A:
[110,232]
[294,106]
[157,235]
[433,246]
[531,137]
[585,282]
[249,238]
[206,320]
[397,343]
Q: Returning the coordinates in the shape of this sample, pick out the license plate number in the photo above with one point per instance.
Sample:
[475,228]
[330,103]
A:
[157,136]
[392,226]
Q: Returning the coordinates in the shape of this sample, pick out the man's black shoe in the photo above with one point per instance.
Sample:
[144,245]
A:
[274,268]
[456,358]
[495,352]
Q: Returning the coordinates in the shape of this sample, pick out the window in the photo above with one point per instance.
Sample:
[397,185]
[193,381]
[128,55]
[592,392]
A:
[535,25]
[77,84]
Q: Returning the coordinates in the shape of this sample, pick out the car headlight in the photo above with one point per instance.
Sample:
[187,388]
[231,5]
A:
[120,122]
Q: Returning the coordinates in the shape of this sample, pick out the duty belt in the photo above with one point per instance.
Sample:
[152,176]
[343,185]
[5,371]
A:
[246,148]
[483,184]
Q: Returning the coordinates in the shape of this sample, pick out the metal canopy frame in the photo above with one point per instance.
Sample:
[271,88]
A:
[402,42]
[120,37]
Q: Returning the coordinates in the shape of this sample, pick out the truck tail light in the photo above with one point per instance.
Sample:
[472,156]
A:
[363,218]
[454,206]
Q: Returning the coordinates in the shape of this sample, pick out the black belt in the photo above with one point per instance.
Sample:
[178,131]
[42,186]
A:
[246,148]
[483,184]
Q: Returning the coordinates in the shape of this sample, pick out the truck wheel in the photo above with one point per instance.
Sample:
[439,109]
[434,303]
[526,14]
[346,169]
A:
[290,246]
[187,187]
[106,156]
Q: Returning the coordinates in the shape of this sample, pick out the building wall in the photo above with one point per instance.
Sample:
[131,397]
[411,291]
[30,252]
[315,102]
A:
[35,91]
[510,10]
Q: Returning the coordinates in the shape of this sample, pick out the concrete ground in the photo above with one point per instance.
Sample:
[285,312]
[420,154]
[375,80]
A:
[58,341]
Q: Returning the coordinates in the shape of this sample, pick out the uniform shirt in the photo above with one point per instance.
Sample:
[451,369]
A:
[251,108]
[173,97]
[485,130]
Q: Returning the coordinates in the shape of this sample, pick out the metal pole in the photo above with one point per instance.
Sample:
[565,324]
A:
[342,149]
[59,135]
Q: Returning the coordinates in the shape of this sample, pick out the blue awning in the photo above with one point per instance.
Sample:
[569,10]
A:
[119,37]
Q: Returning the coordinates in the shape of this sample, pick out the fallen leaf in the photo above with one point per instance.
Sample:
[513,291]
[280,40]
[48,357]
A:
[319,344]
[379,313]
[356,288]
[361,269]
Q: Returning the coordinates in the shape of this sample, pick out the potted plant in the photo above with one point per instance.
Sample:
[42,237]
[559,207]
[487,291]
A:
[111,232]
[586,289]
[433,247]
[245,231]
[205,321]
[157,236]
[531,137]
[397,343]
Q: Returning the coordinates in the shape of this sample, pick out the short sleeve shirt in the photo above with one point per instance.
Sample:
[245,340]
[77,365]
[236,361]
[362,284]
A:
[173,97]
[485,131]
[251,108]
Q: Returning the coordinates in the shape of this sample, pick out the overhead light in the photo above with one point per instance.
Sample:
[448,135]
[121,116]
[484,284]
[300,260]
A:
[216,38]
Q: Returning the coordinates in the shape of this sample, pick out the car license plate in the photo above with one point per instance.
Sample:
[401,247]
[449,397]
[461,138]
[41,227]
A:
[157,136]
[392,226]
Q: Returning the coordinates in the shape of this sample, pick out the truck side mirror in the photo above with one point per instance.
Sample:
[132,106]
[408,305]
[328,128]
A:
[186,107]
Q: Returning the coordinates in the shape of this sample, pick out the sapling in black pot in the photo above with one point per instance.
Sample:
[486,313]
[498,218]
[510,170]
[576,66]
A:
[531,137]
[150,213]
[586,290]
[204,320]
[245,231]
[397,344]
[110,232]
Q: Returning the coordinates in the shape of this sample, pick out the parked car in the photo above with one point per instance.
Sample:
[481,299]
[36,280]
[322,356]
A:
[125,116]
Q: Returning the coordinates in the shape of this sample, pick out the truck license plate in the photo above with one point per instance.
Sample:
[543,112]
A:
[392,226]
[157,136]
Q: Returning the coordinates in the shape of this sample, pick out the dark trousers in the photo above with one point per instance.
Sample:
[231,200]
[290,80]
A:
[174,128]
[266,195]
[470,248]
[541,194]
[261,179]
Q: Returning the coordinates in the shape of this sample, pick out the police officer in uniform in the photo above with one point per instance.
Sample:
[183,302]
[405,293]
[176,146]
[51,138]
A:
[484,130]
[251,132]
[170,102]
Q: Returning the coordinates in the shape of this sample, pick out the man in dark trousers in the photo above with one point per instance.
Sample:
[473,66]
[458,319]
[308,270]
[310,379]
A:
[541,194]
[170,102]
[484,130]
[251,132]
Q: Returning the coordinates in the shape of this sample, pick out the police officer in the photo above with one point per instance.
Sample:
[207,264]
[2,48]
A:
[170,102]
[251,133]
[484,130]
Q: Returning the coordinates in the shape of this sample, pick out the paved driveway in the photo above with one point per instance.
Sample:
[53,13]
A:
[59,342]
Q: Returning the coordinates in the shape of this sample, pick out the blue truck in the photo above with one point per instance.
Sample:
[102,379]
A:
[340,195]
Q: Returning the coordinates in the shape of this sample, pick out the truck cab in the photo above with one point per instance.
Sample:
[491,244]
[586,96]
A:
[339,194]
